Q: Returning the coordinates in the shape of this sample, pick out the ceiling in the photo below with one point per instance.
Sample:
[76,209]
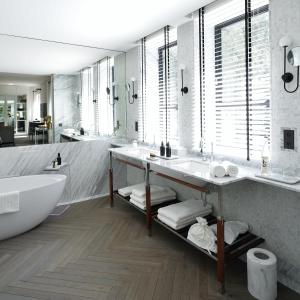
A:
[112,24]
[22,79]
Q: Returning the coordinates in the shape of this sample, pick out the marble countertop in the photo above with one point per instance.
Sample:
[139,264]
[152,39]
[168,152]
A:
[141,155]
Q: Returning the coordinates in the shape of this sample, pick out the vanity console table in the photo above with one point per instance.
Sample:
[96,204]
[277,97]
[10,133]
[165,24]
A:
[225,253]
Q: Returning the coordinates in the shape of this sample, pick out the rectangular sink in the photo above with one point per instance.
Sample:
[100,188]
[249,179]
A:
[138,151]
[192,166]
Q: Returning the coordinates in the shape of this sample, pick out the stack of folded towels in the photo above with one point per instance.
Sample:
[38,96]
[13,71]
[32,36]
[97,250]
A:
[158,194]
[225,168]
[127,191]
[182,214]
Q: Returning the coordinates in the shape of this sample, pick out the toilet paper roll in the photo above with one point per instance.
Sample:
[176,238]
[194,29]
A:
[262,274]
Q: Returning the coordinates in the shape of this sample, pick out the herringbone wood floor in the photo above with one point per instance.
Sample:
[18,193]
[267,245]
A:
[95,252]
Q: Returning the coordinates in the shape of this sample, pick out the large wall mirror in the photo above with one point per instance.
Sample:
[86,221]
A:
[54,92]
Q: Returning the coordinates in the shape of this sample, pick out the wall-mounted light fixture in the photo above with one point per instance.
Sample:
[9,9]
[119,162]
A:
[115,91]
[293,57]
[184,89]
[134,95]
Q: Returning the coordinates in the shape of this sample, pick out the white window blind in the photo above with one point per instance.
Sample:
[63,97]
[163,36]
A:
[159,105]
[234,75]
[97,108]
[87,108]
[105,96]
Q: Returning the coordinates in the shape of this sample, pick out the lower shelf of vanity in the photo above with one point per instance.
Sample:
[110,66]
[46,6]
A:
[241,245]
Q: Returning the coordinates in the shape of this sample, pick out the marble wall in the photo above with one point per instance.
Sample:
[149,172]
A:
[66,90]
[87,171]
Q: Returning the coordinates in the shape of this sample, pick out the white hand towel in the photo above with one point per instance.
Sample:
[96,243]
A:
[232,229]
[154,189]
[217,170]
[230,168]
[138,204]
[158,200]
[156,196]
[173,224]
[126,191]
[185,210]
[202,235]
[9,202]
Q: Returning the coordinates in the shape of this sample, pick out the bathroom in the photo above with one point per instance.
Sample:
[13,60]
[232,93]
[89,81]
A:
[104,92]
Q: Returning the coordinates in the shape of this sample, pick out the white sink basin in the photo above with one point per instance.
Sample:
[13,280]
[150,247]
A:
[138,151]
[192,166]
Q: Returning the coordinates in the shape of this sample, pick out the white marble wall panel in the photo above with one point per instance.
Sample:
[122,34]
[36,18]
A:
[88,163]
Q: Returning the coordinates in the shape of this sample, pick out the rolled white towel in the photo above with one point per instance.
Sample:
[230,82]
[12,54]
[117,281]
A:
[230,168]
[216,169]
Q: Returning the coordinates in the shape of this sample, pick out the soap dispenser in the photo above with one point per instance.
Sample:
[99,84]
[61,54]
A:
[162,149]
[58,159]
[168,150]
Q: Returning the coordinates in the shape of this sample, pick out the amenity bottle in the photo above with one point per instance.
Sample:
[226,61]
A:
[162,149]
[265,159]
[168,150]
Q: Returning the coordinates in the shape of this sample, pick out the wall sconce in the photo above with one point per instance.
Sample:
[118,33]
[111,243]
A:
[114,91]
[293,58]
[184,89]
[134,96]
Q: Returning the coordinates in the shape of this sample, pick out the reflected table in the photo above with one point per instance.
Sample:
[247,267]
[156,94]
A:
[38,130]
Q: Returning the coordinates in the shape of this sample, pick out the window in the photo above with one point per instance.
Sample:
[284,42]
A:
[105,114]
[159,106]
[233,69]
[97,109]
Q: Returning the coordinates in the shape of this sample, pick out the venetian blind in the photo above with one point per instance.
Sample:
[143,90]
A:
[234,76]
[159,105]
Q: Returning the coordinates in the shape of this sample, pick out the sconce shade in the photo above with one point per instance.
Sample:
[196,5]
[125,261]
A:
[285,41]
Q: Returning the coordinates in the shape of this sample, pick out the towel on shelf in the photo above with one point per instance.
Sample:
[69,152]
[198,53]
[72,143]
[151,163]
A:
[202,235]
[154,190]
[9,202]
[175,225]
[138,204]
[126,191]
[232,229]
[185,210]
[167,193]
[231,169]
[216,169]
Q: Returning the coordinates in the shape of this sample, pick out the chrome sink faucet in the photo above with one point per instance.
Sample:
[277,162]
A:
[212,152]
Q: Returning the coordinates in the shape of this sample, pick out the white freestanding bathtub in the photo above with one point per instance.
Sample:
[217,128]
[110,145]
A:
[39,195]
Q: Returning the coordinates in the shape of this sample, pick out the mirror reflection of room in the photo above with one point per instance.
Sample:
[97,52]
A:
[24,106]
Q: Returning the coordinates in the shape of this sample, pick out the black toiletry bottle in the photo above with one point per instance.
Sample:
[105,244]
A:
[162,149]
[168,150]
[81,131]
[58,159]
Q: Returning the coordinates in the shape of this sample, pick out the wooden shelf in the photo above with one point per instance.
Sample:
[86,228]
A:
[239,247]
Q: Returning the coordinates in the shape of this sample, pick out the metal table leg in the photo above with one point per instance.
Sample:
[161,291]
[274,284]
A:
[220,245]
[111,183]
[148,200]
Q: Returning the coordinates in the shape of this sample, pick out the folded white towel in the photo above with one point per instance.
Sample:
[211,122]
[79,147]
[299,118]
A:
[155,201]
[138,204]
[202,235]
[185,210]
[173,224]
[232,229]
[168,193]
[154,189]
[216,169]
[230,168]
[9,202]
[126,191]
